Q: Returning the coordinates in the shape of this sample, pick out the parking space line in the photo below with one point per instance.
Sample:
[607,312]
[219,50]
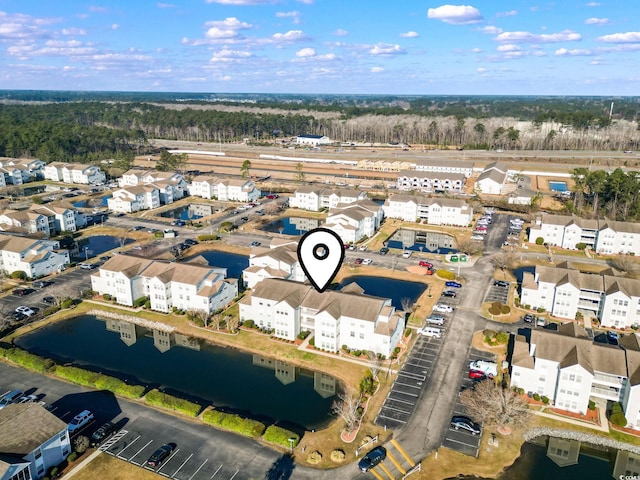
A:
[403,401]
[397,410]
[169,459]
[127,446]
[234,474]
[384,468]
[150,441]
[183,464]
[194,473]
[390,418]
[415,395]
[215,473]
[460,442]
[396,463]
[412,375]
[419,386]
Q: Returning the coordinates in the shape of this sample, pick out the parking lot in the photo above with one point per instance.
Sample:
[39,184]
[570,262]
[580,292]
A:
[460,440]
[497,294]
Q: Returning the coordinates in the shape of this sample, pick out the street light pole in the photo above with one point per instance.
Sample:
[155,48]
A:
[86,252]
[291,440]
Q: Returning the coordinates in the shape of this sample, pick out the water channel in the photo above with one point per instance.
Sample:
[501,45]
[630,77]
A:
[422,241]
[233,262]
[253,385]
[292,225]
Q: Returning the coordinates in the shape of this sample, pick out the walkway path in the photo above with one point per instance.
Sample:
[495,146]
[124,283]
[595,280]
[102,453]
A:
[603,427]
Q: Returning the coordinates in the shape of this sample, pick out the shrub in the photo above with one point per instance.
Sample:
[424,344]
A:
[304,334]
[502,337]
[106,296]
[280,436]
[536,397]
[312,342]
[338,456]
[19,274]
[618,419]
[72,457]
[80,444]
[496,308]
[592,405]
[233,422]
[164,400]
[545,399]
[249,324]
[396,350]
[520,391]
[206,238]
[147,304]
[158,234]
[446,274]
[539,241]
[581,246]
[505,309]
[407,332]
[67,303]
[138,302]
[28,360]
[314,458]
[540,310]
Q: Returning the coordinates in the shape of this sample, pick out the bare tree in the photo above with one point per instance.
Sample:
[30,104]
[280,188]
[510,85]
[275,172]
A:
[60,292]
[503,261]
[198,316]
[495,405]
[406,304]
[625,264]
[215,321]
[470,247]
[232,323]
[375,363]
[346,407]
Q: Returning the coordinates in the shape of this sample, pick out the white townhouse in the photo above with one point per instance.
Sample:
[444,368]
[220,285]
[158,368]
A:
[61,218]
[492,179]
[204,186]
[48,219]
[313,140]
[14,175]
[24,221]
[32,440]
[603,236]
[336,318]
[237,190]
[436,211]
[74,173]
[570,368]
[171,185]
[280,260]
[167,284]
[631,395]
[564,292]
[431,181]
[34,257]
[354,221]
[445,166]
[33,166]
[133,199]
[315,199]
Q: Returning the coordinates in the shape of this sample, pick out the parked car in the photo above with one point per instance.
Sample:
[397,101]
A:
[453,284]
[465,423]
[439,307]
[27,399]
[371,459]
[159,456]
[49,300]
[406,254]
[178,223]
[500,283]
[102,433]
[435,320]
[9,398]
[367,261]
[384,251]
[351,248]
[88,266]
[255,244]
[80,420]
[362,248]
[540,322]
[477,237]
[21,292]
[359,261]
[26,311]
[477,375]
[528,318]
[449,293]
[41,283]
[138,228]
[430,332]
[190,241]
[424,263]
[612,337]
[272,196]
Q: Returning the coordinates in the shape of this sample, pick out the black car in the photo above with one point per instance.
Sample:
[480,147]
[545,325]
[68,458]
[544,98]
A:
[528,318]
[159,456]
[465,423]
[23,291]
[49,300]
[384,251]
[245,219]
[500,283]
[449,293]
[190,241]
[104,432]
[371,459]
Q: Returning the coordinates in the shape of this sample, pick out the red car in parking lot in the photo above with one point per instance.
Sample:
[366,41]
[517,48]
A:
[477,375]
[424,263]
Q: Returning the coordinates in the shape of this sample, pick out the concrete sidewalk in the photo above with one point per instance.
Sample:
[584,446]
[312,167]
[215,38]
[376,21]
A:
[603,427]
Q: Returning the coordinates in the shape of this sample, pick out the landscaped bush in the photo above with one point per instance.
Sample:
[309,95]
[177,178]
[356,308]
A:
[338,456]
[19,275]
[314,457]
[28,360]
[446,274]
[67,303]
[581,246]
[72,457]
[536,397]
[592,405]
[505,309]
[164,400]
[99,381]
[618,419]
[407,332]
[249,324]
[138,302]
[280,436]
[312,342]
[206,238]
[539,241]
[106,296]
[540,310]
[545,399]
[235,423]
[496,308]
[304,334]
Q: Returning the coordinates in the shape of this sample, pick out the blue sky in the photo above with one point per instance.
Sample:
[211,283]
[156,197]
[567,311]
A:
[490,47]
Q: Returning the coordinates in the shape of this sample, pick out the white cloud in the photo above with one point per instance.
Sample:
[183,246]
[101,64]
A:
[226,56]
[455,14]
[115,26]
[490,30]
[227,29]
[387,50]
[19,26]
[476,50]
[326,57]
[295,15]
[410,34]
[165,5]
[510,13]
[592,4]
[538,53]
[306,52]
[98,9]
[628,37]
[576,52]
[340,33]
[376,69]
[527,37]
[508,48]
[74,31]
[306,2]
[290,36]
[241,2]
[597,21]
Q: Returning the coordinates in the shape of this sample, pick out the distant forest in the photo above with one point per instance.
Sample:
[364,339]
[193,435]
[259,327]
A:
[88,126]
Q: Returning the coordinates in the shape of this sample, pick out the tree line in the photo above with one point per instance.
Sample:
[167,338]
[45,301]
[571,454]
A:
[598,193]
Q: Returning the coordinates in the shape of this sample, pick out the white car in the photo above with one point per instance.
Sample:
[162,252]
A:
[439,307]
[477,237]
[406,254]
[363,248]
[435,320]
[80,420]
[430,332]
[25,311]
[367,261]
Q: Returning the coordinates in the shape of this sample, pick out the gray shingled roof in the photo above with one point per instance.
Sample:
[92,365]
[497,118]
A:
[26,426]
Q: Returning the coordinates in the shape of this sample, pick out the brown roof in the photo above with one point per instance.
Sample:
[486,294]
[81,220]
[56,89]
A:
[26,426]
[129,265]
[520,356]
[15,244]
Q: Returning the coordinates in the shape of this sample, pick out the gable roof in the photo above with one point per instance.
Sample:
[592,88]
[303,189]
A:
[26,426]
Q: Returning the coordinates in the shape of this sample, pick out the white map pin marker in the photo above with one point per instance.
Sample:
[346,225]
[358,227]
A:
[320,253]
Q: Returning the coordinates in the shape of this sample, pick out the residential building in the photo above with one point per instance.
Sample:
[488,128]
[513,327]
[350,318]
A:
[631,394]
[34,257]
[354,221]
[171,185]
[167,284]
[315,199]
[48,219]
[492,179]
[14,175]
[74,173]
[563,292]
[25,221]
[313,140]
[237,190]
[603,236]
[279,260]
[437,210]
[570,368]
[380,165]
[133,199]
[32,440]
[33,166]
[427,181]
[336,318]
[445,166]
[204,186]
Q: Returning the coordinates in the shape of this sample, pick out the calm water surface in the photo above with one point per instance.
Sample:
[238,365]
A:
[396,290]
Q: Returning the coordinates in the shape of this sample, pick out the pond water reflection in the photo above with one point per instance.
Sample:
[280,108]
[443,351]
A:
[422,241]
[292,225]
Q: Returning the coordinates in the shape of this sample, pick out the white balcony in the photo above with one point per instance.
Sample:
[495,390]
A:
[606,393]
[608,380]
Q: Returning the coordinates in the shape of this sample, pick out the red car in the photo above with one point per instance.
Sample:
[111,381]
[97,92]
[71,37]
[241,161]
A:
[272,196]
[477,375]
[358,261]
[425,264]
